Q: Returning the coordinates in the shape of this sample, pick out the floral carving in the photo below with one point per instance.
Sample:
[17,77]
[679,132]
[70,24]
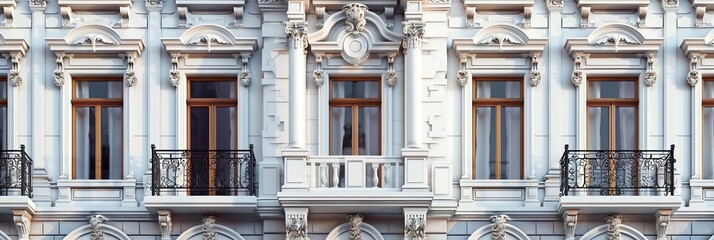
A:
[38,3]
[94,40]
[297,34]
[14,74]
[245,76]
[175,73]
[355,220]
[413,34]
[613,227]
[153,2]
[391,74]
[414,228]
[694,75]
[130,74]
[498,228]
[554,3]
[355,13]
[650,76]
[208,228]
[96,222]
[535,75]
[295,227]
[209,40]
[670,3]
[58,74]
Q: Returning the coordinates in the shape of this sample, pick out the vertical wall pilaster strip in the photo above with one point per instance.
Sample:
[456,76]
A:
[154,68]
[38,81]
[555,82]
[670,81]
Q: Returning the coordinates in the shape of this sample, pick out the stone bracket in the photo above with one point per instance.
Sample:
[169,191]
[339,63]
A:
[296,223]
[245,75]
[414,223]
[23,220]
[570,221]
[694,76]
[391,74]
[175,74]
[165,223]
[59,74]
[662,220]
[14,75]
[318,75]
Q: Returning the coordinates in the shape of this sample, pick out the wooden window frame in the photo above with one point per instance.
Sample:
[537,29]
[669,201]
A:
[706,103]
[97,103]
[497,104]
[211,104]
[355,103]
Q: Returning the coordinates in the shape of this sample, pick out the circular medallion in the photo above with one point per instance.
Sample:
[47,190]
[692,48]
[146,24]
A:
[355,49]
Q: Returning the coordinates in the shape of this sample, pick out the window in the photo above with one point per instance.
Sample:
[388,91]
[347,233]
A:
[708,127]
[498,128]
[212,122]
[97,121]
[612,114]
[355,116]
[3,114]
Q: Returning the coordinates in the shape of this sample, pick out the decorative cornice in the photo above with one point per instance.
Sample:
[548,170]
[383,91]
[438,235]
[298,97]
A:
[498,227]
[95,223]
[413,34]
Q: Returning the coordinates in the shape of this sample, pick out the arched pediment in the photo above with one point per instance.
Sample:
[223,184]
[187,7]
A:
[93,35]
[626,233]
[512,233]
[617,34]
[222,233]
[84,233]
[343,232]
[501,34]
[336,26]
[208,34]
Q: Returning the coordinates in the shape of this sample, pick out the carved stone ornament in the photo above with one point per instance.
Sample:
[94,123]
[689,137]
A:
[165,224]
[95,223]
[22,220]
[295,227]
[670,3]
[498,228]
[413,34]
[650,76]
[297,34]
[355,49]
[245,76]
[617,40]
[662,220]
[209,228]
[208,39]
[130,74]
[38,3]
[175,73]
[613,227]
[14,74]
[94,40]
[554,3]
[463,75]
[391,74]
[355,221]
[694,75]
[500,40]
[355,13]
[570,221]
[414,227]
[58,74]
[318,76]
[577,76]
[153,2]
[535,75]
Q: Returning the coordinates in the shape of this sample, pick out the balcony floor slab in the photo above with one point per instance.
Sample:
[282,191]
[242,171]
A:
[351,201]
[619,204]
[203,204]
[9,203]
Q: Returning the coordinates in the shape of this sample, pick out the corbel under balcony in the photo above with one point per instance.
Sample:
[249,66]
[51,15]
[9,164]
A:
[700,9]
[525,7]
[589,6]
[210,7]
[69,9]
[8,9]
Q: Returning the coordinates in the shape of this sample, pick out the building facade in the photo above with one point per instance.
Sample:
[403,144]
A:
[375,120]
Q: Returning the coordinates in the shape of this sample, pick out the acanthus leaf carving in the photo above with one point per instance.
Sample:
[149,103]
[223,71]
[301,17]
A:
[22,220]
[318,76]
[58,74]
[670,3]
[95,223]
[650,75]
[570,221]
[94,40]
[414,227]
[38,3]
[355,221]
[391,74]
[165,224]
[463,75]
[615,39]
[500,40]
[297,34]
[208,39]
[14,73]
[413,34]
[613,227]
[355,13]
[662,220]
[694,75]
[153,2]
[295,227]
[535,75]
[208,228]
[554,3]
[498,227]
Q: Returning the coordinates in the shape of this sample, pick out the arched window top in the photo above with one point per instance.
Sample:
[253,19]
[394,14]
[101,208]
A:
[208,33]
[616,33]
[222,232]
[84,233]
[502,34]
[94,34]
[343,231]
[512,232]
[626,232]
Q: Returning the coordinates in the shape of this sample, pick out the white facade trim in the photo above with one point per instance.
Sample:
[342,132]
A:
[624,230]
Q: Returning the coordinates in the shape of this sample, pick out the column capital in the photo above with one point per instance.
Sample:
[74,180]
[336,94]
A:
[413,34]
[297,34]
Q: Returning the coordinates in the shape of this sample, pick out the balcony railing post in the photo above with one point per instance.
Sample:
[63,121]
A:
[564,172]
[23,171]
[154,174]
[671,170]
[251,172]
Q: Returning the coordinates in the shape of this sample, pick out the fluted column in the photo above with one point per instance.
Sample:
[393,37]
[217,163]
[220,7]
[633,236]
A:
[297,40]
[413,34]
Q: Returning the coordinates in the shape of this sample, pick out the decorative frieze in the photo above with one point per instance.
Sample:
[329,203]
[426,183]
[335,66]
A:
[413,34]
[58,74]
[498,227]
[355,221]
[95,223]
[23,220]
[209,228]
[391,74]
[613,227]
[14,74]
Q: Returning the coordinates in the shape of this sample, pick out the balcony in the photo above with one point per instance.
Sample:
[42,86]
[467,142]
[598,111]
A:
[618,181]
[15,180]
[339,183]
[191,181]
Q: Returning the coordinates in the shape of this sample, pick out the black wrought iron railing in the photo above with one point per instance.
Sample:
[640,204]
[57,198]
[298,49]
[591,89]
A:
[203,172]
[15,172]
[617,172]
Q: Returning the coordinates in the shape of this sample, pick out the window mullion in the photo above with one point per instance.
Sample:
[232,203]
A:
[98,142]
[498,141]
[355,129]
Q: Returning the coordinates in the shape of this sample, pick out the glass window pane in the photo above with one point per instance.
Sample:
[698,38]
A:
[94,89]
[611,89]
[85,148]
[111,143]
[350,89]
[3,128]
[3,89]
[708,142]
[341,124]
[485,142]
[206,89]
[598,128]
[498,89]
[510,143]
[708,89]
[225,128]
[368,131]
[199,128]
[625,127]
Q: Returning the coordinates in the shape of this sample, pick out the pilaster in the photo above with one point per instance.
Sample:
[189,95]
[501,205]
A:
[153,81]
[555,86]
[41,179]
